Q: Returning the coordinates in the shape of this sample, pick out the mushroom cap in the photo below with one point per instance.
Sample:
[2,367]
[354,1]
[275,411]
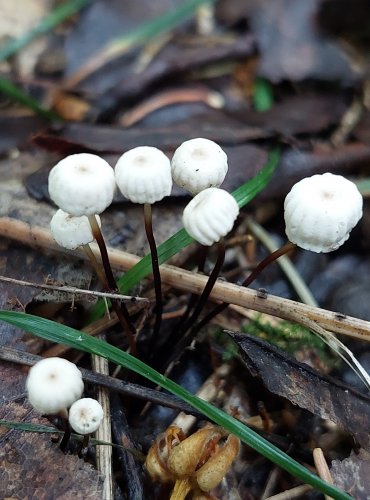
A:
[53,384]
[320,211]
[210,215]
[71,232]
[85,415]
[199,164]
[82,184]
[143,175]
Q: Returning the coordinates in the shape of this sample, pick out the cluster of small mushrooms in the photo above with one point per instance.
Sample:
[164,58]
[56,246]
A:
[320,212]
[55,387]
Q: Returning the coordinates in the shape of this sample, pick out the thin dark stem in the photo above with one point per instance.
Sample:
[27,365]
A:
[186,331]
[267,261]
[67,431]
[109,283]
[103,252]
[253,275]
[209,285]
[155,267]
[97,266]
[84,446]
[202,256]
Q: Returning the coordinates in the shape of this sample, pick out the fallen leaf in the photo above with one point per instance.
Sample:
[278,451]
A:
[352,474]
[32,466]
[290,46]
[305,387]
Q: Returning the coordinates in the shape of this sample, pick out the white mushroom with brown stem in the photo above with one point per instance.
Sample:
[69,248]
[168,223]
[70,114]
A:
[208,217]
[143,175]
[84,185]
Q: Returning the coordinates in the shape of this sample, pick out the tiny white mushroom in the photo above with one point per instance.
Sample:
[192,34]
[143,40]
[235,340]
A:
[199,164]
[71,232]
[53,384]
[210,215]
[143,175]
[82,184]
[85,415]
[320,212]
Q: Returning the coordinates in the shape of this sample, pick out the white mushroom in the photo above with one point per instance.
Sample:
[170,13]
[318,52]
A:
[53,384]
[199,164]
[71,232]
[143,175]
[210,215]
[320,212]
[82,184]
[85,415]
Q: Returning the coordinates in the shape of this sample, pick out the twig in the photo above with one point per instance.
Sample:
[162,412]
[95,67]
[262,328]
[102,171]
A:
[205,19]
[208,392]
[120,386]
[72,290]
[296,492]
[192,282]
[168,98]
[322,468]
[104,432]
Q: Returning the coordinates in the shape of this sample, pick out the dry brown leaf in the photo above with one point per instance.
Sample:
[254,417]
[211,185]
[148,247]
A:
[32,466]
[352,474]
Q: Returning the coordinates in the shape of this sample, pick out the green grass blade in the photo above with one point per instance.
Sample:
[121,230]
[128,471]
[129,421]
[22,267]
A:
[243,195]
[16,94]
[263,97]
[161,24]
[46,429]
[28,427]
[57,16]
[62,334]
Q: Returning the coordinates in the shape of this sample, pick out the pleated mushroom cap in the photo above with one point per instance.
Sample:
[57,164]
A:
[320,212]
[143,175]
[71,232]
[210,215]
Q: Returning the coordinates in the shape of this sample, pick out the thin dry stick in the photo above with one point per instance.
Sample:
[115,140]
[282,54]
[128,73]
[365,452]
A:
[212,99]
[296,492]
[208,392]
[104,433]
[192,282]
[113,384]
[74,291]
[322,468]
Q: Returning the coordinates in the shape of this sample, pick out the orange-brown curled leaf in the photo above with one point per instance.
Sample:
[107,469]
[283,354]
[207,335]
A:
[214,470]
